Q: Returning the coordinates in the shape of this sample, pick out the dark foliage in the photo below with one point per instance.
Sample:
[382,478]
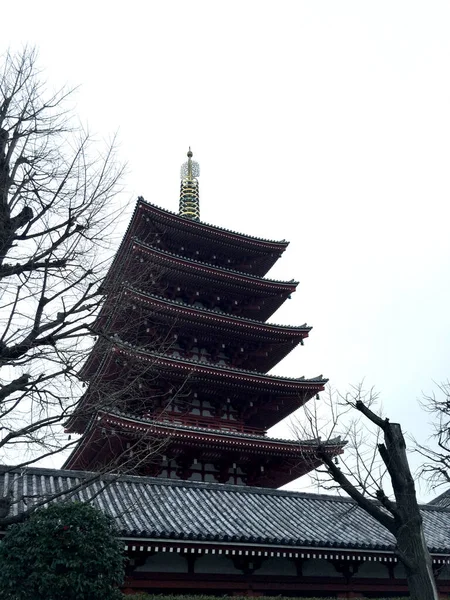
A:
[66,551]
[142,596]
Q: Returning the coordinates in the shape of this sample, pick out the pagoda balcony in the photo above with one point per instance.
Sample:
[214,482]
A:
[216,424]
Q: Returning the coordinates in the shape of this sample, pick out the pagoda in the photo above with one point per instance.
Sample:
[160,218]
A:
[177,382]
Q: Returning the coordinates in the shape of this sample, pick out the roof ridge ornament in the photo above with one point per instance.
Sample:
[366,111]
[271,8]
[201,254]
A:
[189,192]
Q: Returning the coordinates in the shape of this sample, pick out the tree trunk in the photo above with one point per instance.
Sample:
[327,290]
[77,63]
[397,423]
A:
[419,571]
[411,544]
[407,526]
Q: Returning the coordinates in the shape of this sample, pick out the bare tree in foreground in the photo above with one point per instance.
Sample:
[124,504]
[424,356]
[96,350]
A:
[56,190]
[375,460]
[436,467]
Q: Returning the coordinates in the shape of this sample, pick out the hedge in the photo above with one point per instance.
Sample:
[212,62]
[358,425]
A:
[141,596]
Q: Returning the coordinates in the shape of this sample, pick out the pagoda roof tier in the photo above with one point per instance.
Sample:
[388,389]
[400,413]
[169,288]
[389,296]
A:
[252,327]
[150,221]
[267,293]
[206,444]
[208,371]
[213,271]
[266,398]
[273,342]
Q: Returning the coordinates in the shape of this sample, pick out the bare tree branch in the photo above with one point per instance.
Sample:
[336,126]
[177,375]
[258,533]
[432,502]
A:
[363,477]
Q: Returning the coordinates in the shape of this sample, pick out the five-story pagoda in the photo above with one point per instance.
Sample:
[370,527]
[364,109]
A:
[177,381]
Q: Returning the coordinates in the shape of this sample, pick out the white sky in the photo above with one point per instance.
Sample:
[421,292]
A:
[325,123]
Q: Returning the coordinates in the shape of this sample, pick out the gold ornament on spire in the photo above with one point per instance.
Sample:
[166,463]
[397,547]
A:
[189,193]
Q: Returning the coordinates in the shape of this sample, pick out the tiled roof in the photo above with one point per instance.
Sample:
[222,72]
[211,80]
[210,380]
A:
[219,314]
[170,425]
[159,509]
[203,365]
[201,225]
[219,270]
[442,500]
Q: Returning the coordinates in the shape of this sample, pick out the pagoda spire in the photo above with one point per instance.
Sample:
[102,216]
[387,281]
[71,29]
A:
[189,194]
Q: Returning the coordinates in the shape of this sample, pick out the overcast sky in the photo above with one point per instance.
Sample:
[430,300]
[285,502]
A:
[325,123]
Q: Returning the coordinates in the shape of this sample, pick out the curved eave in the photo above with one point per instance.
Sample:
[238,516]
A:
[240,376]
[217,319]
[212,272]
[207,436]
[207,324]
[84,452]
[214,232]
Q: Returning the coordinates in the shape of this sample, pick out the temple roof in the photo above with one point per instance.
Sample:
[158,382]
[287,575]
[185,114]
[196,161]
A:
[191,367]
[442,500]
[174,512]
[300,453]
[293,392]
[266,294]
[272,342]
[170,429]
[209,443]
[205,229]
[162,222]
[218,316]
[212,271]
[254,255]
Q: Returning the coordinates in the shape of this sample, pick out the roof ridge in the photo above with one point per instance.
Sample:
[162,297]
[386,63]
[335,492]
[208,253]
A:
[207,486]
[445,494]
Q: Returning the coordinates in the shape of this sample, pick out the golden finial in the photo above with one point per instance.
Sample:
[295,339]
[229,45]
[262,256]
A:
[190,155]
[189,196]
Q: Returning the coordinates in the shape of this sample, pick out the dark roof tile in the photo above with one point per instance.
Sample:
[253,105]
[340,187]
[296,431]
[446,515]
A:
[203,225]
[157,508]
[219,270]
[443,500]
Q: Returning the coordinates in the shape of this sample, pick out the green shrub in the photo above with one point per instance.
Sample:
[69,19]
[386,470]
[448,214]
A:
[143,596]
[66,551]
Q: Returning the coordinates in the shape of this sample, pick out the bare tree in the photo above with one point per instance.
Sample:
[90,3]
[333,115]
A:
[56,214]
[436,453]
[374,471]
